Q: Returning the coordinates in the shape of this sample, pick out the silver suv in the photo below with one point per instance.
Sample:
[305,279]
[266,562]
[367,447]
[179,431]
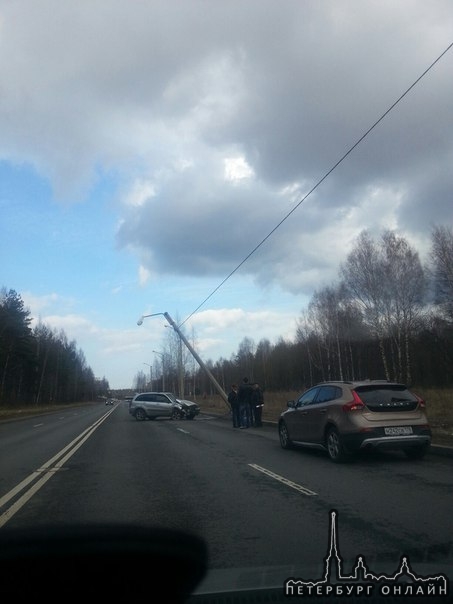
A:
[343,417]
[149,405]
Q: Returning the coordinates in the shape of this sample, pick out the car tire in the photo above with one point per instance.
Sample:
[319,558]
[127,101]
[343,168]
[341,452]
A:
[177,414]
[285,441]
[335,447]
[416,452]
[140,415]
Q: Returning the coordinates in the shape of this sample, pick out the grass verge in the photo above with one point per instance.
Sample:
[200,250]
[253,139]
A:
[11,412]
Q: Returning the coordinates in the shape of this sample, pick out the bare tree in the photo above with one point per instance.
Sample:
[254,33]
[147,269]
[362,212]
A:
[263,371]
[404,290]
[140,381]
[335,322]
[245,357]
[323,312]
[387,281]
[363,276]
[303,337]
[442,264]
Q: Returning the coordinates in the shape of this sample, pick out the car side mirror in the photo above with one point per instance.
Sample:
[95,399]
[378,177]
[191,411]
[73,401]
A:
[291,404]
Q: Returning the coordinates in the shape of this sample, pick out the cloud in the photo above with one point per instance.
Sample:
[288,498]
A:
[39,304]
[233,324]
[140,192]
[143,275]
[71,324]
[237,168]
[217,118]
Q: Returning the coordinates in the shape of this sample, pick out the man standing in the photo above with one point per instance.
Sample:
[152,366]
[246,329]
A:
[257,404]
[234,403]
[244,398]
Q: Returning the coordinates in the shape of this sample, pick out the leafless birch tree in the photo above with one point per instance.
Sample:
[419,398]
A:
[442,263]
[363,277]
[387,281]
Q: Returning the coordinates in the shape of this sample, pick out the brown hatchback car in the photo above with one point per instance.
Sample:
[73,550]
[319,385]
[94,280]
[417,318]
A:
[343,417]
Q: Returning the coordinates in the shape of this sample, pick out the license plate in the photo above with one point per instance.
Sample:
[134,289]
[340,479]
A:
[398,431]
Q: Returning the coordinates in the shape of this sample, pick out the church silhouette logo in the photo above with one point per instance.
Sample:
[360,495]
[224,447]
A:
[362,582]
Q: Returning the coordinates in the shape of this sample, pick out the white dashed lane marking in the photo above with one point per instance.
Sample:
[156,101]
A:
[283,480]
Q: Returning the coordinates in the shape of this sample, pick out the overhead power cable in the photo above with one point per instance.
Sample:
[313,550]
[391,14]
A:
[342,158]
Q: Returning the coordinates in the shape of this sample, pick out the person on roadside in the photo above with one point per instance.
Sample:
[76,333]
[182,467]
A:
[244,398]
[257,405]
[234,404]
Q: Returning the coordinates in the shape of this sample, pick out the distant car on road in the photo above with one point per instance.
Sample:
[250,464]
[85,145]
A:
[109,401]
[149,405]
[343,417]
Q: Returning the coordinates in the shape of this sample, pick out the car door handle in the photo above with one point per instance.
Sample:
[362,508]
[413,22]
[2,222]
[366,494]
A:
[323,411]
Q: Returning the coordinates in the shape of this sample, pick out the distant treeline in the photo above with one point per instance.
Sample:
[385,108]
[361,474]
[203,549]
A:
[38,365]
[387,317]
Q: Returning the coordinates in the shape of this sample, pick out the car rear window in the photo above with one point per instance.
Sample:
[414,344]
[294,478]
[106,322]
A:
[383,397]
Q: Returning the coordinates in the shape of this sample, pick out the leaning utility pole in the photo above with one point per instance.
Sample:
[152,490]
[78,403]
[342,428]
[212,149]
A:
[218,387]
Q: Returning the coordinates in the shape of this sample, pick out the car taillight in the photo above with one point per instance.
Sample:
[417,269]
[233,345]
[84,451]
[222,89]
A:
[421,402]
[355,405]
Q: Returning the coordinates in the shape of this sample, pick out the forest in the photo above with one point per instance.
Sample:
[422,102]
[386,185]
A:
[39,365]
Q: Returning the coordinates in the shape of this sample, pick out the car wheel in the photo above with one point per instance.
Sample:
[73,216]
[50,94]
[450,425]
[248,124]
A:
[177,414]
[416,452]
[335,447]
[285,441]
[140,415]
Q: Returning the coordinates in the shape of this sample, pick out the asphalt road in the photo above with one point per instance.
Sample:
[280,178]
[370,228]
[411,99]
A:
[255,504]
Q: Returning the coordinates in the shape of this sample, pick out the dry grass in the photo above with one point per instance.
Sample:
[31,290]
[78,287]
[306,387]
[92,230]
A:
[274,403]
[439,406]
[10,412]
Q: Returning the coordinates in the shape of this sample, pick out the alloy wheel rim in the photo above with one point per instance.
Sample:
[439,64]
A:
[333,445]
[283,434]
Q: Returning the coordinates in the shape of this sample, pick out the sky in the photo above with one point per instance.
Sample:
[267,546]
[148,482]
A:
[148,147]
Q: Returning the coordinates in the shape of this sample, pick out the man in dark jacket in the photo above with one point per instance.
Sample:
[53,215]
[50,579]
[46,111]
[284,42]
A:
[244,398]
[257,404]
[234,403]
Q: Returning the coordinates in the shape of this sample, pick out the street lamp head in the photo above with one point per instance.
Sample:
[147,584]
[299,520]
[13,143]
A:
[154,314]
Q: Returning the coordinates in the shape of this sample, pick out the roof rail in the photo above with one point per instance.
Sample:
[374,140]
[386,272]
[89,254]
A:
[355,381]
[335,382]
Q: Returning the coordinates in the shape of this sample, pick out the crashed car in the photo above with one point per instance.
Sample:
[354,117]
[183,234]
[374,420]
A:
[151,405]
[183,408]
[187,409]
